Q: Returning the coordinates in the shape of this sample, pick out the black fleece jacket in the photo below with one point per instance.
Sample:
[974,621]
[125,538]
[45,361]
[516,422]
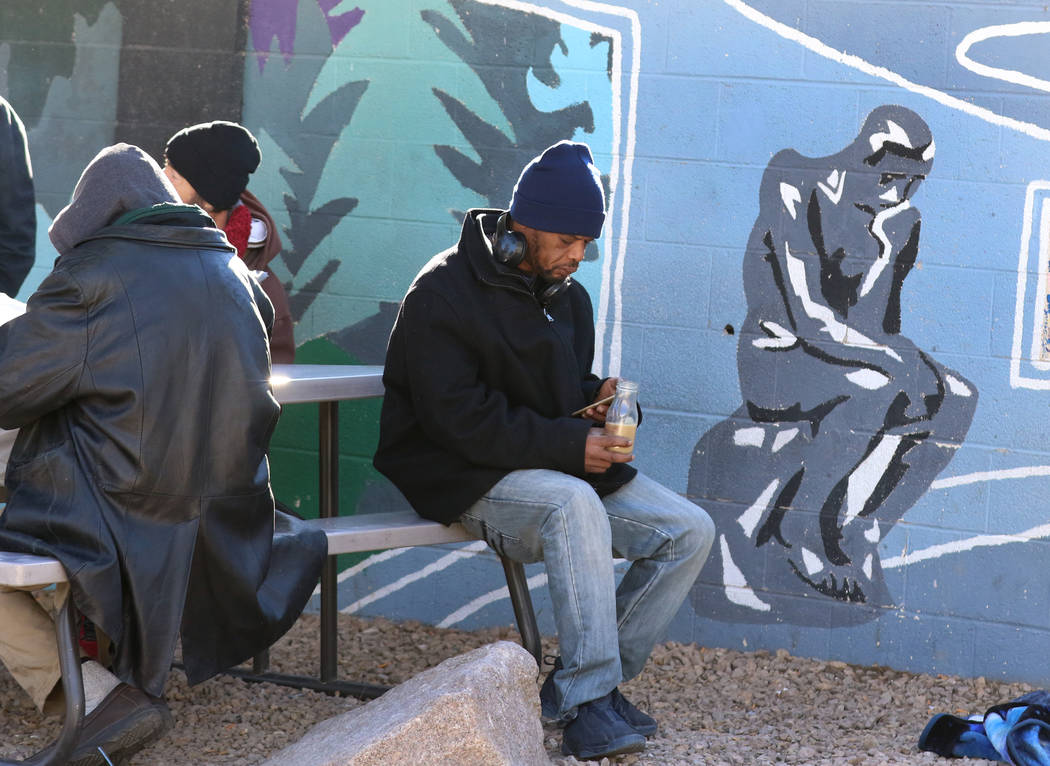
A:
[480,379]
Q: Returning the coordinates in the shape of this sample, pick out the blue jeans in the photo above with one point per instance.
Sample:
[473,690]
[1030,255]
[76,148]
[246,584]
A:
[605,633]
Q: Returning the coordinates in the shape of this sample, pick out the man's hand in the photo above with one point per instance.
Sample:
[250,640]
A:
[597,413]
[597,457]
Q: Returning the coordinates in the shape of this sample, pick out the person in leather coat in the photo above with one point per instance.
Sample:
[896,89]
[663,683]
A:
[139,377]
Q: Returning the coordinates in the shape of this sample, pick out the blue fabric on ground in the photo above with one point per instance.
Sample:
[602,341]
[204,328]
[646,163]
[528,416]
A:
[954,737]
[997,725]
[974,744]
[1017,732]
[1028,743]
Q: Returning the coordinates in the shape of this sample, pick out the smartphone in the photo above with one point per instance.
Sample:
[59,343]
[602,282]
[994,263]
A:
[582,410]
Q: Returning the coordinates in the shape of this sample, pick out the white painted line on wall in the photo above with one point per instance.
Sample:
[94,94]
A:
[749,519]
[620,189]
[616,343]
[961,546]
[855,62]
[364,564]
[1017,380]
[735,584]
[436,566]
[1024,472]
[865,478]
[1020,29]
[536,581]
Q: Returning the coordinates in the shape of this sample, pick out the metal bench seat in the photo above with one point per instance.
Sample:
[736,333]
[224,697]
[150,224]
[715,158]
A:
[346,534]
[377,532]
[20,570]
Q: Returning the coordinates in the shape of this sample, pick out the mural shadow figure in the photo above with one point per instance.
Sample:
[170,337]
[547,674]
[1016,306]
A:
[845,422]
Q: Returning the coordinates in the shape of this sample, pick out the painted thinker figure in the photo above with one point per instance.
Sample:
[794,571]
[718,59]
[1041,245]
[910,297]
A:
[845,422]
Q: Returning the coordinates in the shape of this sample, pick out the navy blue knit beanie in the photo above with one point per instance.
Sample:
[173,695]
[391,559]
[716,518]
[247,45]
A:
[561,191]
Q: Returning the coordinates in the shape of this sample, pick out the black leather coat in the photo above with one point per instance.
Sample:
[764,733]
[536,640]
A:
[139,377]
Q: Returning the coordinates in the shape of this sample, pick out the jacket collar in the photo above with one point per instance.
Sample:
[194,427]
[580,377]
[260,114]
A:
[190,236]
[475,241]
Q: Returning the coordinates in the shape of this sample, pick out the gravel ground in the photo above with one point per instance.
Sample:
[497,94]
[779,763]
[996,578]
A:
[715,706]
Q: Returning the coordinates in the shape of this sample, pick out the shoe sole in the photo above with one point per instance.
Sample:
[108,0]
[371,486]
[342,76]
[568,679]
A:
[622,746]
[146,730]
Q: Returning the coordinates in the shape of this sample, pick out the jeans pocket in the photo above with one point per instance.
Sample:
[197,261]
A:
[505,545]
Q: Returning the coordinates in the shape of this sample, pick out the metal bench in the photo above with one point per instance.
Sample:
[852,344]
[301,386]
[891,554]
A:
[383,531]
[19,570]
[346,534]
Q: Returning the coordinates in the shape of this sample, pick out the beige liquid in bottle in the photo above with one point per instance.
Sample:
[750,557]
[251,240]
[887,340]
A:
[622,429]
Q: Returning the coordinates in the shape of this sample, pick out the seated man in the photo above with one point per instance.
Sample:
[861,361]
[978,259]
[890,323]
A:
[490,353]
[209,165]
[139,377]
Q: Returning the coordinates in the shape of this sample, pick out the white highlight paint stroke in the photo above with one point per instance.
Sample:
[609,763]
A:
[865,478]
[961,546]
[1019,29]
[749,519]
[855,62]
[869,379]
[1024,472]
[784,438]
[1039,305]
[749,437]
[628,166]
[736,587]
[436,566]
[536,581]
[364,564]
[1017,380]
[886,250]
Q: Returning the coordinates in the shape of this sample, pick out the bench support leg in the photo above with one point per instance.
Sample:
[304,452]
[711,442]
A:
[73,688]
[328,492]
[523,611]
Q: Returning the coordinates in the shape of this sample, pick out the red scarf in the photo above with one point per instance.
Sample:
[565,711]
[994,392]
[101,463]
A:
[238,227]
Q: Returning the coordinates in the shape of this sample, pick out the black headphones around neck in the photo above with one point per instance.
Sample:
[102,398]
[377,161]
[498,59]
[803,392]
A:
[509,248]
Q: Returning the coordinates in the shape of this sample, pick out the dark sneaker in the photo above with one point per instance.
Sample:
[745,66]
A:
[123,723]
[598,731]
[636,719]
[549,702]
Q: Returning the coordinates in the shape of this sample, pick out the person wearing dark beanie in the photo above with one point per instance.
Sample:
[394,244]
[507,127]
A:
[491,418]
[561,191]
[209,165]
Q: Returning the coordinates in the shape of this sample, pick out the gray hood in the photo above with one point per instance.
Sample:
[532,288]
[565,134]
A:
[122,177]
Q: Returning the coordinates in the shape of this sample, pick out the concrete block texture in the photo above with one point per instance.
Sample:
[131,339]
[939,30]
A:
[479,707]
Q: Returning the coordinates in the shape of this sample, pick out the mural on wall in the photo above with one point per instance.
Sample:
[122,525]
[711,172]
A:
[505,69]
[845,422]
[298,136]
[456,135]
[538,86]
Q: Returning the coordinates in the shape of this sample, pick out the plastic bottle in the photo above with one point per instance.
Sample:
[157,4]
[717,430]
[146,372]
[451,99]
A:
[622,417]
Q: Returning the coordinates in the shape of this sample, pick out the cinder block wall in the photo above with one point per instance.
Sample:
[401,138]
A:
[837,322]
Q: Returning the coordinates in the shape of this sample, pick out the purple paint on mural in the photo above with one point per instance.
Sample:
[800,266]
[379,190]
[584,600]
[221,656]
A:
[339,26]
[270,19]
[277,19]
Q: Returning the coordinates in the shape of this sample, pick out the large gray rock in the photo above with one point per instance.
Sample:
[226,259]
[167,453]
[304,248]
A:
[478,708]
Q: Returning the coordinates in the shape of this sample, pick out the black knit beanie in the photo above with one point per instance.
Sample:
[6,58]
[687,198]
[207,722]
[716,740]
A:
[216,158]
